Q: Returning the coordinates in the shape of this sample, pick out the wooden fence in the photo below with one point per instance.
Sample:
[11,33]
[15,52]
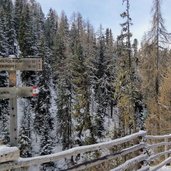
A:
[159,150]
[137,151]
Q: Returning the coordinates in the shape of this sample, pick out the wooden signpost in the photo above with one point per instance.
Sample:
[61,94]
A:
[12,65]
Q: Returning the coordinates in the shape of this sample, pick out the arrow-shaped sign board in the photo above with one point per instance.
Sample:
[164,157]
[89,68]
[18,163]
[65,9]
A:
[22,64]
[11,92]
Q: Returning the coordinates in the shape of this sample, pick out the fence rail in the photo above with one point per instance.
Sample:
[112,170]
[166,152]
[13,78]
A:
[144,150]
[160,147]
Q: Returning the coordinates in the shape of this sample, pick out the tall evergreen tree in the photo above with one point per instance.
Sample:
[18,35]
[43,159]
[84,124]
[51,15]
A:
[51,27]
[44,121]
[103,76]
[81,83]
[125,89]
[61,68]
[153,50]
[7,47]
[25,139]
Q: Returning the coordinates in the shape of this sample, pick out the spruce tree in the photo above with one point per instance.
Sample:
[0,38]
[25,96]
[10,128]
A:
[51,27]
[103,76]
[43,120]
[46,145]
[80,83]
[25,138]
[7,47]
[64,89]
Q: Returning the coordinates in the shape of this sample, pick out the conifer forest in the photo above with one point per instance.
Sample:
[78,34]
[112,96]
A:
[93,87]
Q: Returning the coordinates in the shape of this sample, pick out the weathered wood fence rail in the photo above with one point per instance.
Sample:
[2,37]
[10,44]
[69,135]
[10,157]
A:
[138,151]
[159,150]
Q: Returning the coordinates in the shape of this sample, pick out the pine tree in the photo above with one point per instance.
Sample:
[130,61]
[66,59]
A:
[25,139]
[7,47]
[51,27]
[44,121]
[46,145]
[26,38]
[111,68]
[64,89]
[43,103]
[4,114]
[153,56]
[124,82]
[8,41]
[103,76]
[18,10]
[80,83]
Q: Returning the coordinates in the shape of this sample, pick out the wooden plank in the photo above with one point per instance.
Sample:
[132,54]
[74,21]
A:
[155,156]
[152,146]
[22,64]
[156,137]
[131,162]
[163,163]
[95,162]
[8,154]
[11,92]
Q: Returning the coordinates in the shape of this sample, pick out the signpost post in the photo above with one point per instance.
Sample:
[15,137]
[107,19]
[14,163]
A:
[12,65]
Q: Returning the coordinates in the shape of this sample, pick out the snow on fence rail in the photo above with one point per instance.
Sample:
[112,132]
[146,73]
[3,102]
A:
[8,153]
[140,145]
[26,162]
[162,150]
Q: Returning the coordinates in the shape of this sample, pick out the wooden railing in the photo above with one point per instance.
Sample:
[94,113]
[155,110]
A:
[137,151]
[159,150]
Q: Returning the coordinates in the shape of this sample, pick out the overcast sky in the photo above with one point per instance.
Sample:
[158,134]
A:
[107,13]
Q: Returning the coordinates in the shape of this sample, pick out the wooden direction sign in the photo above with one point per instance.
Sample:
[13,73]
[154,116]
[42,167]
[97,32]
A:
[22,64]
[11,92]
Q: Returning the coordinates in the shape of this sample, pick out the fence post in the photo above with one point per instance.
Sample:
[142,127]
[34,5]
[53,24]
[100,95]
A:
[166,140]
[145,163]
[166,147]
